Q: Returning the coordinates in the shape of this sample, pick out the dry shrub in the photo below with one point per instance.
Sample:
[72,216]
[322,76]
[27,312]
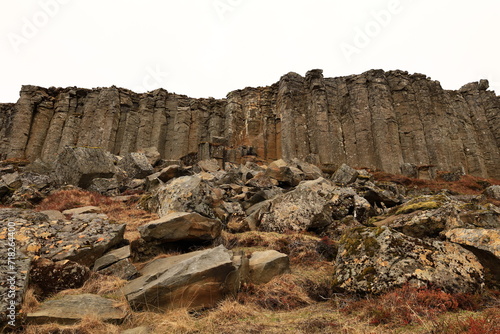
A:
[409,305]
[68,199]
[88,325]
[30,302]
[281,293]
[487,322]
[175,321]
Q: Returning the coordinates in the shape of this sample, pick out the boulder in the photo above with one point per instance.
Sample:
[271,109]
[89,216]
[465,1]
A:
[285,173]
[306,207]
[136,165]
[123,269]
[345,175]
[183,194]
[108,186]
[266,265]
[311,172]
[12,180]
[376,259]
[210,166]
[78,166]
[70,309]
[193,280]
[493,192]
[261,180]
[51,277]
[152,155]
[178,226]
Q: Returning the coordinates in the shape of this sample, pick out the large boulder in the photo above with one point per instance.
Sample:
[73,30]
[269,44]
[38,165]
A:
[80,165]
[70,309]
[376,259]
[345,175]
[285,173]
[136,165]
[184,194]
[197,279]
[178,226]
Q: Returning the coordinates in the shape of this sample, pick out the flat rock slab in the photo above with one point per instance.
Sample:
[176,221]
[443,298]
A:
[181,226]
[76,240]
[79,211]
[199,279]
[266,265]
[112,257]
[72,308]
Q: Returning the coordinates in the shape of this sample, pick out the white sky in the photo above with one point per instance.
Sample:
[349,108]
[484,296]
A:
[205,48]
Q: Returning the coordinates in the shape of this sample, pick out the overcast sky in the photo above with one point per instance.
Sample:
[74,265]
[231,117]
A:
[205,48]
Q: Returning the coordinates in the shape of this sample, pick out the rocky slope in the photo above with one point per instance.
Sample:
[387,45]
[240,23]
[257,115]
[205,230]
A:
[392,121]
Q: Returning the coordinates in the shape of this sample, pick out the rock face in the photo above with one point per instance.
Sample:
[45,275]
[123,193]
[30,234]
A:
[384,120]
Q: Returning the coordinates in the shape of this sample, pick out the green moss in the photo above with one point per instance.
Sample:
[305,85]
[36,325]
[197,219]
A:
[418,206]
[359,240]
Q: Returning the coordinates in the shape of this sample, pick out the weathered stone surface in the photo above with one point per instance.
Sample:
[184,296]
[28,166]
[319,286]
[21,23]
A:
[184,194]
[105,186]
[345,175]
[123,269]
[12,180]
[112,257]
[484,239]
[171,172]
[266,265]
[82,210]
[373,260]
[70,309]
[198,279]
[51,277]
[325,121]
[53,214]
[286,173]
[136,165]
[78,166]
[211,165]
[181,226]
[493,192]
[83,239]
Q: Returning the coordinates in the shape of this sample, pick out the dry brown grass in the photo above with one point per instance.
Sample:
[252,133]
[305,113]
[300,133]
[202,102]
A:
[88,325]
[103,285]
[30,301]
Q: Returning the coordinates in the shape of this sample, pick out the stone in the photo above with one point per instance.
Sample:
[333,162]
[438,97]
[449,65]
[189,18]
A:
[107,186]
[137,330]
[285,173]
[377,259]
[183,194]
[82,210]
[81,241]
[210,166]
[51,277]
[311,172]
[12,180]
[262,180]
[170,172]
[111,257]
[493,192]
[53,214]
[178,226]
[152,155]
[123,269]
[193,280]
[306,207]
[70,309]
[345,175]
[78,166]
[481,238]
[136,165]
[265,265]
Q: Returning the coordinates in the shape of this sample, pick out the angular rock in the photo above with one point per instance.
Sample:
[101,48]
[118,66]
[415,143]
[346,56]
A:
[170,172]
[285,173]
[311,172]
[181,226]
[306,207]
[262,180]
[123,269]
[51,277]
[266,265]
[345,175]
[193,280]
[184,194]
[82,241]
[82,210]
[374,260]
[481,238]
[12,180]
[54,214]
[112,257]
[210,166]
[70,309]
[108,186]
[151,154]
[78,166]
[136,165]
[493,192]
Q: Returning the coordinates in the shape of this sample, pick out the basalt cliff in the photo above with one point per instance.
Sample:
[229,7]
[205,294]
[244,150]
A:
[391,121]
